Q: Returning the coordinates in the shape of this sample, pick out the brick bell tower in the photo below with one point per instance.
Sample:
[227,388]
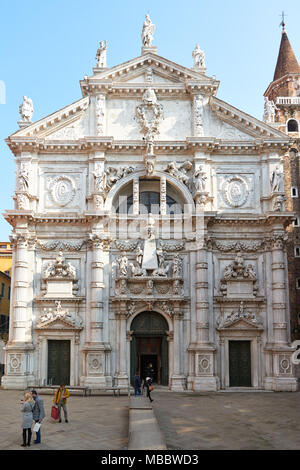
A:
[282,111]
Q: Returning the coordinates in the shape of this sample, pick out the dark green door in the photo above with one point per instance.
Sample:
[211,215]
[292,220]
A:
[59,362]
[239,364]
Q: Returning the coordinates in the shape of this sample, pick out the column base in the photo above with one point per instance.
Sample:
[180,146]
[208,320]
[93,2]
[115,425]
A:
[282,384]
[206,384]
[22,382]
[96,382]
[121,381]
[178,383]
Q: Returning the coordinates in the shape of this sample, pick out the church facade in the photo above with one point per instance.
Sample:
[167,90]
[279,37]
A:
[149,227]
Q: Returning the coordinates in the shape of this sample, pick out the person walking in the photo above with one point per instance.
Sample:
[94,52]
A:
[149,388]
[149,372]
[38,413]
[137,385]
[26,408]
[60,399]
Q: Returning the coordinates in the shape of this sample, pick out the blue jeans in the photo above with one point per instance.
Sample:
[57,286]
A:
[137,391]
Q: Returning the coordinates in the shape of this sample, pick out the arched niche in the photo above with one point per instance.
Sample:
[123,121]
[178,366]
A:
[124,188]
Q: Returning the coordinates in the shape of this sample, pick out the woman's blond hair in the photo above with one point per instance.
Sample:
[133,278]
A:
[28,396]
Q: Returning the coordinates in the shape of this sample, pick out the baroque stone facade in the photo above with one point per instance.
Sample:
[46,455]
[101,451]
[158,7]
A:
[145,229]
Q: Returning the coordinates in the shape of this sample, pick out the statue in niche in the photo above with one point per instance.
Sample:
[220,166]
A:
[23,178]
[101,54]
[100,179]
[276,180]
[177,266]
[26,109]
[199,57]
[147,32]
[199,180]
[123,265]
[139,256]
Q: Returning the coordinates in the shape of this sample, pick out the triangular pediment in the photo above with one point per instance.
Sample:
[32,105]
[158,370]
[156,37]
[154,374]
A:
[161,68]
[58,324]
[241,324]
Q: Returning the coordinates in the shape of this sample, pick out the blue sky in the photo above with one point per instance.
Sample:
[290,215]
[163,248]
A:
[47,46]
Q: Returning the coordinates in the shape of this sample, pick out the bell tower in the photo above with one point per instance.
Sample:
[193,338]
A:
[282,111]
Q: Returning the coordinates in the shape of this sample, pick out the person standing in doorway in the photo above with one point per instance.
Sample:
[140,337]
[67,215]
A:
[26,408]
[60,399]
[38,413]
[137,385]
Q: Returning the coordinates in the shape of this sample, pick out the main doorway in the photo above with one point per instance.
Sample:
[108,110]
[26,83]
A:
[59,362]
[240,363]
[149,346]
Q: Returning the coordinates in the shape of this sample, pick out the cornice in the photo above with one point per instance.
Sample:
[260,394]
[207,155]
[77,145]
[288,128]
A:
[19,144]
[109,80]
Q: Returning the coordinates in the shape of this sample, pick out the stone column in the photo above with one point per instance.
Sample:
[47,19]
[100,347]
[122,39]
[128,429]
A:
[278,354]
[178,381]
[97,285]
[122,378]
[19,345]
[19,311]
[279,287]
[95,348]
[136,196]
[204,350]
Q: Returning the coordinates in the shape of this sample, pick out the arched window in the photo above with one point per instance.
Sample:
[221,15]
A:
[292,125]
[149,202]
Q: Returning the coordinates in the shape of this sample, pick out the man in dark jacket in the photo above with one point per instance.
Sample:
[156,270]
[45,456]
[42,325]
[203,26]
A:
[137,385]
[38,413]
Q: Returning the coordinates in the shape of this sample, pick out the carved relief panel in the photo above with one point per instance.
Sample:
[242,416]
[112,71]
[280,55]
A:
[62,192]
[236,190]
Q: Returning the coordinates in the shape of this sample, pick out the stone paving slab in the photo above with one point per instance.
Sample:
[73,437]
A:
[95,423]
[229,421]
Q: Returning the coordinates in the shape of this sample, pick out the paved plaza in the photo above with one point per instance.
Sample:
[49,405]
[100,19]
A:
[97,422]
[229,420]
[213,421]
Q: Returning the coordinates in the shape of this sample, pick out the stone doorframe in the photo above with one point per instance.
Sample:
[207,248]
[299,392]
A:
[243,333]
[43,335]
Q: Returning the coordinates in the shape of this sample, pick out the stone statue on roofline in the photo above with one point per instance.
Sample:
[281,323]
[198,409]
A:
[26,109]
[101,54]
[199,58]
[147,32]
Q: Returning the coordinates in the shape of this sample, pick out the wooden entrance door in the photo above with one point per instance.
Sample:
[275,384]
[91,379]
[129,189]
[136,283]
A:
[149,344]
[59,362]
[239,364]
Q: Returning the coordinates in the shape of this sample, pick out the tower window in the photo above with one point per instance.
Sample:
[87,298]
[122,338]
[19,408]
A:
[298,283]
[297,251]
[292,125]
[296,222]
[294,191]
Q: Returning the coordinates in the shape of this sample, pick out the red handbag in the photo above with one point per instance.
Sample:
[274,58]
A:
[54,412]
